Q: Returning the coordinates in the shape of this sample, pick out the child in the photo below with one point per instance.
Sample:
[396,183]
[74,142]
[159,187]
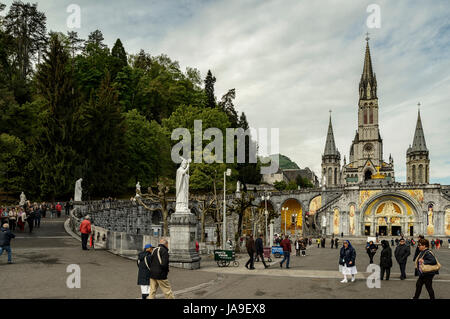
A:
[143,263]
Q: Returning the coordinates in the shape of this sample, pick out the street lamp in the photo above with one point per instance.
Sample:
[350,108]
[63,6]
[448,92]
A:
[285,209]
[266,213]
[295,223]
[224,227]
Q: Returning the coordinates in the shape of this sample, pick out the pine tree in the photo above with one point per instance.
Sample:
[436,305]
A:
[209,90]
[55,157]
[102,128]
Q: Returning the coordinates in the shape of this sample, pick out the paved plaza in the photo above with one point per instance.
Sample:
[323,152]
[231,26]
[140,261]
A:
[41,260]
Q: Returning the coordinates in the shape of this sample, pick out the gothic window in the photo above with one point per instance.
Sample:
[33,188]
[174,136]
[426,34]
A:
[365,116]
[335,176]
[330,176]
[426,174]
[414,174]
[371,116]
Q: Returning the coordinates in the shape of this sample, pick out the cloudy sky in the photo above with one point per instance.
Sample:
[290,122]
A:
[291,61]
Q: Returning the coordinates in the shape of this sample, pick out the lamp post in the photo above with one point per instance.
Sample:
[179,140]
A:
[295,223]
[266,213]
[224,227]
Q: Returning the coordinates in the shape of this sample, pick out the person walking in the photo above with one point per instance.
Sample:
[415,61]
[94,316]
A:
[432,244]
[58,208]
[438,243]
[21,219]
[332,242]
[286,244]
[347,261]
[426,267]
[336,242]
[260,249]
[143,263]
[5,241]
[385,259]
[67,208]
[250,245]
[318,242]
[417,252]
[401,255]
[12,219]
[297,247]
[159,270]
[303,243]
[30,219]
[85,230]
[323,242]
[448,243]
[37,217]
[371,249]
[392,242]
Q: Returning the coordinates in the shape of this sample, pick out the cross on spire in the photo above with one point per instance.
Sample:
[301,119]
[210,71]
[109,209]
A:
[418,104]
[367,36]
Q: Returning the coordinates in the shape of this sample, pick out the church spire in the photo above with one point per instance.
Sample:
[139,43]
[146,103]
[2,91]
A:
[419,137]
[330,146]
[368,82]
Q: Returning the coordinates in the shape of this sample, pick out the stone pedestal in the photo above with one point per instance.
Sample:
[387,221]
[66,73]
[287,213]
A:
[182,229]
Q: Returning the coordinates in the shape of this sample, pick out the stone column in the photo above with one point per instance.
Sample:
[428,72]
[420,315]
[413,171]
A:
[182,229]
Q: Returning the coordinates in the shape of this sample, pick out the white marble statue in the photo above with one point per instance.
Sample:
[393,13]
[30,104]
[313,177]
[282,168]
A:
[23,199]
[238,186]
[182,187]
[78,190]
[138,188]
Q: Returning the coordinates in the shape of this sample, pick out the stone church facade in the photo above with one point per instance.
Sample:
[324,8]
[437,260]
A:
[361,197]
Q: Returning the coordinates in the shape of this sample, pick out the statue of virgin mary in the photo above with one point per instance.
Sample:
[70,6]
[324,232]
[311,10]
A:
[182,187]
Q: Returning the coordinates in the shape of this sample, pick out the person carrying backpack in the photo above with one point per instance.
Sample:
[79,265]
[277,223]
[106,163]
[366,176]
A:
[159,269]
[143,263]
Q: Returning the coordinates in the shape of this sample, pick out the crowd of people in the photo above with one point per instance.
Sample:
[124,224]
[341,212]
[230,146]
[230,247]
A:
[425,262]
[30,214]
[26,217]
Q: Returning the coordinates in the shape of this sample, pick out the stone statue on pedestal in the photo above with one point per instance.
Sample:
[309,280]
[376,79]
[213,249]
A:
[138,189]
[23,199]
[183,225]
[182,187]
[78,190]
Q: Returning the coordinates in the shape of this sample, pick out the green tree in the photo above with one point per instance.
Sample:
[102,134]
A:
[280,186]
[102,137]
[54,155]
[148,149]
[210,80]
[13,162]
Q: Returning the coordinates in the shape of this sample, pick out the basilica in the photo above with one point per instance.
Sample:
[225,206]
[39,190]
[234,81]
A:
[361,196]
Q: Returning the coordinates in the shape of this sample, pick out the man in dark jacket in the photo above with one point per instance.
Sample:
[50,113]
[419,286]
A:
[286,244]
[5,241]
[385,259]
[143,263]
[30,219]
[159,269]
[336,242]
[401,255]
[260,249]
[250,245]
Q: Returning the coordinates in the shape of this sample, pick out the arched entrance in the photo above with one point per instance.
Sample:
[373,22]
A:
[391,215]
[291,217]
[368,175]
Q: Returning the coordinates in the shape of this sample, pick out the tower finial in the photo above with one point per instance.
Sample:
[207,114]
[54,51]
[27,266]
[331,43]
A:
[367,36]
[418,106]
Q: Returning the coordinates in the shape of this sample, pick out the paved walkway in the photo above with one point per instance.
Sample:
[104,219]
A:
[41,260]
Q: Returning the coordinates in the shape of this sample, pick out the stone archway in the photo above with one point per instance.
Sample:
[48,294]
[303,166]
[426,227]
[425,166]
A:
[292,217]
[391,214]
